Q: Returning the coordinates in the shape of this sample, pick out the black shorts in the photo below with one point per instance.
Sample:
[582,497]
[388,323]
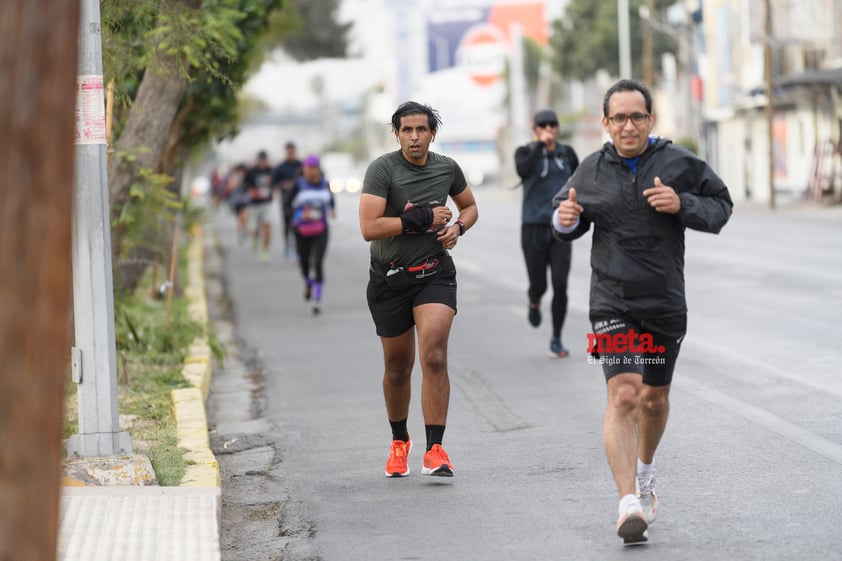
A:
[391,309]
[647,347]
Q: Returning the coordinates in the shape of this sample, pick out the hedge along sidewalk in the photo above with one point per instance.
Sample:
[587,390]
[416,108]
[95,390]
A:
[189,403]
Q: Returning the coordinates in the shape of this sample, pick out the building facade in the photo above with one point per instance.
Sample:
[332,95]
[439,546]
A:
[806,80]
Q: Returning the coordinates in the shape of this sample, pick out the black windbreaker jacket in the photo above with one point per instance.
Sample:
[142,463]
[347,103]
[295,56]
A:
[637,257]
[542,173]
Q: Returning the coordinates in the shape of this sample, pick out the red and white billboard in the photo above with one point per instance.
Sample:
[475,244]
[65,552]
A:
[477,39]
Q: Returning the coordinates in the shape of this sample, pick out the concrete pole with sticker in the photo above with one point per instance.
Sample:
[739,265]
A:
[94,355]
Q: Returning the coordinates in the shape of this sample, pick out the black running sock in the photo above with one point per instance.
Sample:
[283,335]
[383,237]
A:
[399,431]
[435,434]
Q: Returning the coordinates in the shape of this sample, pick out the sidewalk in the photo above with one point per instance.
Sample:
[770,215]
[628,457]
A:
[152,523]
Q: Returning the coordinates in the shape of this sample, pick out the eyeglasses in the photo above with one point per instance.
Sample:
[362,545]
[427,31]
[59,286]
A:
[637,119]
[545,124]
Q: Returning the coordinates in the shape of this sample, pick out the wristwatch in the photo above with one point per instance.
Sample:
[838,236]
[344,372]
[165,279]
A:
[461,227]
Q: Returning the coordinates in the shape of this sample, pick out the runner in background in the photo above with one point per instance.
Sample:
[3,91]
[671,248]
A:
[238,198]
[544,165]
[284,176]
[312,203]
[258,181]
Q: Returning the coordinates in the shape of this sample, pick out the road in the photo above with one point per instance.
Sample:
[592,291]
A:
[749,468]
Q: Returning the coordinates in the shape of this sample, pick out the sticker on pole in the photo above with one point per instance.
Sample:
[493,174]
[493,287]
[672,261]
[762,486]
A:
[90,110]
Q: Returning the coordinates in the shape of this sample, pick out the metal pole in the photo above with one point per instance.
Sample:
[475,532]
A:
[624,38]
[517,87]
[403,46]
[94,358]
[648,48]
[770,111]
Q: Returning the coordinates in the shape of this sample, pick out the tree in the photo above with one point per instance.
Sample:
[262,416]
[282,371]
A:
[320,32]
[37,104]
[584,39]
[305,29]
[146,129]
[184,65]
[180,60]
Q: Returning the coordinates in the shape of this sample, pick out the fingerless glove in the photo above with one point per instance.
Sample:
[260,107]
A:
[417,220]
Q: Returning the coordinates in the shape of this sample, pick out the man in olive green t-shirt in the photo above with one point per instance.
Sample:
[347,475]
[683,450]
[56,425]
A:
[412,280]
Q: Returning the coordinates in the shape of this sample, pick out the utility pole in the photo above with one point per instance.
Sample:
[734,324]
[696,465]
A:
[402,54]
[93,358]
[517,88]
[36,117]
[648,48]
[770,110]
[624,38]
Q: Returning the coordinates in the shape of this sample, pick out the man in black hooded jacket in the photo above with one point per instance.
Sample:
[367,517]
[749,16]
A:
[544,165]
[640,192]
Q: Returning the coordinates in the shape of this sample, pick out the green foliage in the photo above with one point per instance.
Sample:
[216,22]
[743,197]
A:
[197,39]
[192,215]
[141,328]
[533,55]
[125,24]
[306,29]
[149,214]
[585,39]
[688,142]
[320,34]
[151,352]
[211,97]
[135,33]
[166,457]
[153,342]
[211,46]
[217,47]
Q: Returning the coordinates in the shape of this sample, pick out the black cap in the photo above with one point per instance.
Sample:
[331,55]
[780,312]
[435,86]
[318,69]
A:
[544,116]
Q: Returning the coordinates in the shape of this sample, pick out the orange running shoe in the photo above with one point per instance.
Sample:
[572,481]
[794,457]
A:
[396,464]
[437,463]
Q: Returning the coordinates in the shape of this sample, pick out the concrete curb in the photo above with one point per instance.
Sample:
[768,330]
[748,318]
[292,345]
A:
[189,403]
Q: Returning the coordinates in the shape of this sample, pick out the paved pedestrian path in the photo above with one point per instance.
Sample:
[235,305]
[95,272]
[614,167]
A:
[139,524]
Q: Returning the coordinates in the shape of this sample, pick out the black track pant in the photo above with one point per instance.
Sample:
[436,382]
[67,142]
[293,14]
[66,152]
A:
[311,254]
[540,250]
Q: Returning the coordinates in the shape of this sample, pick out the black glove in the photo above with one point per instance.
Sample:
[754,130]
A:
[417,220]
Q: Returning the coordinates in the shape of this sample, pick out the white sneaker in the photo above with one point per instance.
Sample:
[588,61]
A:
[648,500]
[632,525]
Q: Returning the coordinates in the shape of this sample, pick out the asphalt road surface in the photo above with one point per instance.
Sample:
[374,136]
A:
[750,466]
